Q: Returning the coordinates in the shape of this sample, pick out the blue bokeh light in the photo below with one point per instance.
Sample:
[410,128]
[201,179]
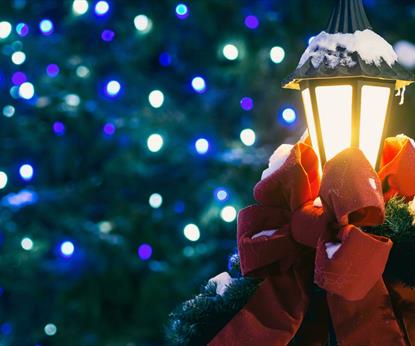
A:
[182,11]
[289,115]
[113,88]
[67,249]
[199,84]
[221,194]
[26,171]
[165,59]
[22,29]
[46,27]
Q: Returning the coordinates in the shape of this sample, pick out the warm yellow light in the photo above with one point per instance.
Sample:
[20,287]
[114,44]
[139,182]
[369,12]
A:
[375,102]
[310,121]
[335,112]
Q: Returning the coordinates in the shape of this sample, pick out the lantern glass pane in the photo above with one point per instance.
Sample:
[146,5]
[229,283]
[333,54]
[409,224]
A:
[335,112]
[375,101]
[310,120]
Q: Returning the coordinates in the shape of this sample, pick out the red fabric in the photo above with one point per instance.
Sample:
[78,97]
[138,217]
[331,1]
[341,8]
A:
[357,298]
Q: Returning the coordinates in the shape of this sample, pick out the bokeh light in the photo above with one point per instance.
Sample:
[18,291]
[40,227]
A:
[199,84]
[80,7]
[251,22]
[155,200]
[143,24]
[228,214]
[277,54]
[156,98]
[58,128]
[145,251]
[26,244]
[46,27]
[191,232]
[82,71]
[19,78]
[109,129]
[50,329]
[22,29]
[101,8]
[26,171]
[113,88]
[26,90]
[230,52]
[248,137]
[72,100]
[8,111]
[3,180]
[247,103]
[155,142]
[107,35]
[289,115]
[52,70]
[221,194]
[5,29]
[202,146]
[165,59]
[18,58]
[67,249]
[182,11]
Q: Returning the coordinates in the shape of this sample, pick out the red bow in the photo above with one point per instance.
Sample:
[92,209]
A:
[293,252]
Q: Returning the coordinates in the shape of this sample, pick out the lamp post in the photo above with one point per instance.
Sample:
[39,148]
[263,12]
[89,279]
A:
[347,77]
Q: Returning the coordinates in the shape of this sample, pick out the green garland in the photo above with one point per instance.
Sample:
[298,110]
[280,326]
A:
[198,320]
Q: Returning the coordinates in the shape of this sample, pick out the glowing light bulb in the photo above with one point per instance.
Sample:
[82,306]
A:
[202,146]
[230,52]
[143,24]
[248,137]
[155,142]
[101,8]
[199,84]
[113,88]
[67,249]
[156,98]
[228,214]
[50,329]
[46,27]
[26,172]
[289,115]
[191,232]
[155,200]
[18,58]
[80,7]
[277,54]
[26,244]
[5,29]
[3,180]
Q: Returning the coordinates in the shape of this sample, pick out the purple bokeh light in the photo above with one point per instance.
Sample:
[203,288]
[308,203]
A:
[59,128]
[182,11]
[22,29]
[19,78]
[145,252]
[107,35]
[251,22]
[109,129]
[52,70]
[247,103]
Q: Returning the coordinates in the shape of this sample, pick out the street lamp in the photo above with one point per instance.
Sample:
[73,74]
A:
[347,77]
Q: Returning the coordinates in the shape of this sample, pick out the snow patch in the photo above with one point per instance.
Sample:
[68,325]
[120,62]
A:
[406,53]
[318,203]
[269,233]
[277,159]
[332,248]
[222,282]
[337,49]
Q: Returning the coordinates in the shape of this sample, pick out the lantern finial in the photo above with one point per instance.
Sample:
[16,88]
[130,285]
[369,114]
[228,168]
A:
[347,17]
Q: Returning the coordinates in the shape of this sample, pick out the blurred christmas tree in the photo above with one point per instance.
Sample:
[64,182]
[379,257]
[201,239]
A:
[131,133]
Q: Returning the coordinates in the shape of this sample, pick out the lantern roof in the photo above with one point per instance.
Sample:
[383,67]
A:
[349,49]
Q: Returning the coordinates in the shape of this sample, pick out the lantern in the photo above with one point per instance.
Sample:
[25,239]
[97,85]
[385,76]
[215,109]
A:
[347,77]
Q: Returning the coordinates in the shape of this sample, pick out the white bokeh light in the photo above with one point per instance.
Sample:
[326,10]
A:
[80,7]
[156,98]
[191,232]
[8,111]
[199,84]
[155,142]
[113,88]
[72,100]
[26,172]
[230,52]
[228,214]
[67,248]
[5,29]
[26,90]
[277,54]
[102,7]
[26,244]
[155,200]
[248,137]
[3,180]
[50,329]
[202,146]
[142,23]
[18,58]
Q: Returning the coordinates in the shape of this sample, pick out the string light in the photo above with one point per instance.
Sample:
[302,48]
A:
[277,54]
[26,172]
[22,29]
[143,24]
[191,232]
[202,146]
[228,214]
[155,200]
[8,111]
[289,115]
[113,88]
[145,251]
[230,52]
[251,22]
[182,11]
[247,103]
[101,8]
[67,249]
[18,58]
[46,27]
[80,7]
[26,90]
[50,329]
[199,84]
[3,180]
[26,244]
[155,142]
[248,137]
[156,98]
[5,29]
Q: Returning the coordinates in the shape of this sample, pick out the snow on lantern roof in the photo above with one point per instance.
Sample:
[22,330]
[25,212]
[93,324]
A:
[347,49]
